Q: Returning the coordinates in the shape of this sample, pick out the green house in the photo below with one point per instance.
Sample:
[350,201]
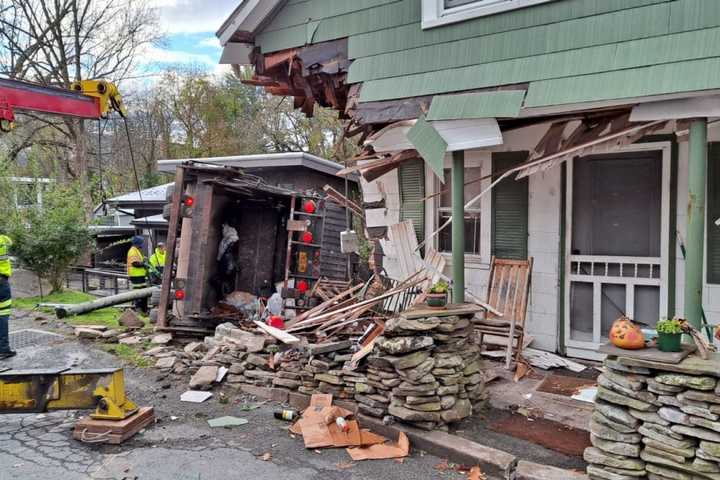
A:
[584,129]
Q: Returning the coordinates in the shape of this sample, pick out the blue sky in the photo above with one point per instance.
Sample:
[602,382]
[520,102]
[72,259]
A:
[189,26]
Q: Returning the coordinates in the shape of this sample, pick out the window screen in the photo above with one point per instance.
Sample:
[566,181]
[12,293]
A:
[713,213]
[458,3]
[472,215]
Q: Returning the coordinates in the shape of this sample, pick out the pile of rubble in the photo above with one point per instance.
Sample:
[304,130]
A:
[427,370]
[651,423]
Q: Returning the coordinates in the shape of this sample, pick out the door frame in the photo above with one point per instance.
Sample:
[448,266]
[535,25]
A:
[588,350]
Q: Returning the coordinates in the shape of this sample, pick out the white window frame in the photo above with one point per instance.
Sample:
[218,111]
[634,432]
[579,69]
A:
[473,159]
[435,14]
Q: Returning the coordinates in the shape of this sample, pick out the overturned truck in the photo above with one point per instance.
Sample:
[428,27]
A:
[233,234]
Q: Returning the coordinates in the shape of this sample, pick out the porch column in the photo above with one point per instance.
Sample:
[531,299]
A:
[697,172]
[458,226]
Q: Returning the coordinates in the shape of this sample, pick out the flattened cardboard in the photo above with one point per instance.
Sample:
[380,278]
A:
[382,451]
[369,438]
[351,438]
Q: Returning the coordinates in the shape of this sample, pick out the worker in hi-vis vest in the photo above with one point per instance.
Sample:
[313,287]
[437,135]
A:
[137,270]
[157,259]
[5,297]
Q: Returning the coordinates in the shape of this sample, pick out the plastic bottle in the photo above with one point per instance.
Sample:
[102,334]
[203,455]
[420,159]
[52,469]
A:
[287,415]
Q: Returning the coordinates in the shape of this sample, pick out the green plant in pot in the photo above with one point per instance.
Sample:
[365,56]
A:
[438,295]
[669,335]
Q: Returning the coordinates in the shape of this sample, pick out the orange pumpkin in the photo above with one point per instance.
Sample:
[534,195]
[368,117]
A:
[626,334]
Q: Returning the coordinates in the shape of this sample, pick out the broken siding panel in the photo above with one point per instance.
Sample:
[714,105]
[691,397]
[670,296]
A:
[655,80]
[592,60]
[332,28]
[506,103]
[589,31]
[410,36]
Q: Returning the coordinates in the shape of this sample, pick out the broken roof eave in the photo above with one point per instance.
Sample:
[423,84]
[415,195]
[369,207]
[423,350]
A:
[247,19]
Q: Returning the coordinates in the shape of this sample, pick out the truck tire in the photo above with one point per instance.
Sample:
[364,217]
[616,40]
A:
[155,298]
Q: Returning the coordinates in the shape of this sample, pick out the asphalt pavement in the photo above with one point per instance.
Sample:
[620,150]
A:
[180,445]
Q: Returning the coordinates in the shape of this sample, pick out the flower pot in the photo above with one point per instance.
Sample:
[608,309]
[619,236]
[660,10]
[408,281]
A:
[436,300]
[669,342]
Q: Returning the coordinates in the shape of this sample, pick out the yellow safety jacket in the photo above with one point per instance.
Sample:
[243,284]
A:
[157,259]
[135,255]
[5,266]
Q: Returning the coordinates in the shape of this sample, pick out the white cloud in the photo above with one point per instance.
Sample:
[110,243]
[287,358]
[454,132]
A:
[155,55]
[193,16]
[212,42]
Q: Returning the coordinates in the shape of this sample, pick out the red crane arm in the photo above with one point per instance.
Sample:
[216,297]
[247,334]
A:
[23,96]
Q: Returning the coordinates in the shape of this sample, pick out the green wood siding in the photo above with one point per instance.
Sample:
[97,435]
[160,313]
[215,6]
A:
[509,209]
[411,176]
[627,48]
[505,103]
[713,213]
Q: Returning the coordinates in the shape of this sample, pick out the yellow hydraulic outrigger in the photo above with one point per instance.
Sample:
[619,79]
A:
[25,391]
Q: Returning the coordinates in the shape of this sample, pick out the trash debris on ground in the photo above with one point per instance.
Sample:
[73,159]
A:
[226,422]
[194,396]
[324,425]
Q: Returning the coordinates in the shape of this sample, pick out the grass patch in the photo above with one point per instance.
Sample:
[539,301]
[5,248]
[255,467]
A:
[128,354]
[105,316]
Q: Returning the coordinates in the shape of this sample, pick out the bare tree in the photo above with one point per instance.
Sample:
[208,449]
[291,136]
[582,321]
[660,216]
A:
[57,42]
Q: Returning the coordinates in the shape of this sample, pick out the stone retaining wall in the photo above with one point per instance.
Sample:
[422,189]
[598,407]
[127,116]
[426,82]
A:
[425,371]
[650,423]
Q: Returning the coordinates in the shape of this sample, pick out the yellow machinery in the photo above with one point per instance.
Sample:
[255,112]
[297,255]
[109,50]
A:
[107,92]
[25,391]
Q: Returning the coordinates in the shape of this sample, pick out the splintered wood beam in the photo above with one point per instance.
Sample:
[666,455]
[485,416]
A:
[276,59]
[373,173]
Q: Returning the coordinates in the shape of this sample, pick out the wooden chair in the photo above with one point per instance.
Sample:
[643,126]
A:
[508,292]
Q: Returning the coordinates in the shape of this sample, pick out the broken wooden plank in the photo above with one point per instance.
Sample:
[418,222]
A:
[281,335]
[547,360]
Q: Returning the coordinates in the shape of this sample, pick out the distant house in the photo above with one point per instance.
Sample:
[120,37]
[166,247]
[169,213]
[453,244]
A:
[28,191]
[121,217]
[581,125]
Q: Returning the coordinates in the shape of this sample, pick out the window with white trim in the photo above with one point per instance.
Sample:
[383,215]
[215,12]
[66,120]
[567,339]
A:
[473,230]
[441,12]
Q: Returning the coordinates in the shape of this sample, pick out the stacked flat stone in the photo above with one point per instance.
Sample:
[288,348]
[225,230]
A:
[373,391]
[435,376]
[324,374]
[654,424]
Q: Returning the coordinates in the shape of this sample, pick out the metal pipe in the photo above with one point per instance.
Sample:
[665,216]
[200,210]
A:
[697,172]
[458,226]
[80,308]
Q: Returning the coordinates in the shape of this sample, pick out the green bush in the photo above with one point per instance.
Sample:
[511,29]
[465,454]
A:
[671,326]
[49,238]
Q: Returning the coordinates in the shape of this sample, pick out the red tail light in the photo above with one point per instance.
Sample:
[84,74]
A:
[179,294]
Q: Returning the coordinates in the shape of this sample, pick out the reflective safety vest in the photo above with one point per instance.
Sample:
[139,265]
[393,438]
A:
[5,266]
[135,255]
[157,259]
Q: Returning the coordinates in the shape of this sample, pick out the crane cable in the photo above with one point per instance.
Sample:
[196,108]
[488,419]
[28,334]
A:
[134,166]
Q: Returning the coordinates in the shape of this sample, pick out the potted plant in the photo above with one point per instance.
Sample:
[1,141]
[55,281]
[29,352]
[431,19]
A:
[438,295]
[669,335]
